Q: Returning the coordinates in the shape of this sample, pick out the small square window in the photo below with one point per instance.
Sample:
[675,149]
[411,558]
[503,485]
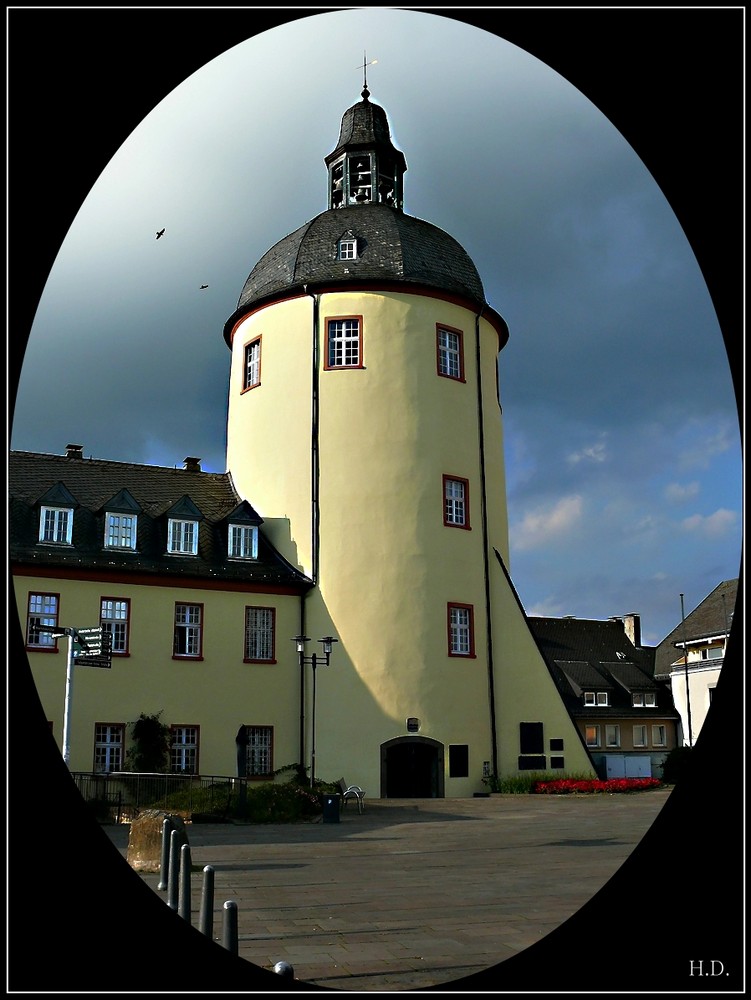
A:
[347,249]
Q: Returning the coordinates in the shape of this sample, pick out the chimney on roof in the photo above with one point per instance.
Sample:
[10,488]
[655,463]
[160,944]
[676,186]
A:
[74,451]
[192,464]
[632,626]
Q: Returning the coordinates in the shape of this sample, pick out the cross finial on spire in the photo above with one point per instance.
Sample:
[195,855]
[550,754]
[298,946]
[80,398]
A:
[364,67]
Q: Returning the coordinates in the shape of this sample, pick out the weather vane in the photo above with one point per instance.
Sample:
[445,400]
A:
[364,69]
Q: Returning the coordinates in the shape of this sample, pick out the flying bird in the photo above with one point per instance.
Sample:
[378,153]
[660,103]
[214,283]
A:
[204,286]
[160,233]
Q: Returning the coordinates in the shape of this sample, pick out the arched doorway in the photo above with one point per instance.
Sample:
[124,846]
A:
[412,768]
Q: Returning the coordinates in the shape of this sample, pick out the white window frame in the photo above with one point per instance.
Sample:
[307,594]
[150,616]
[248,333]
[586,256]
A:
[637,700]
[461,630]
[450,349]
[602,699]
[188,631]
[344,342]
[109,740]
[595,730]
[182,536]
[120,530]
[347,248]
[56,525]
[612,736]
[260,635]
[650,700]
[640,736]
[43,609]
[252,364]
[455,502]
[661,739]
[242,541]
[589,698]
[114,617]
[184,744]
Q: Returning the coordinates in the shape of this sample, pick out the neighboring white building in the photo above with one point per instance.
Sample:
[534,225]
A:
[704,634]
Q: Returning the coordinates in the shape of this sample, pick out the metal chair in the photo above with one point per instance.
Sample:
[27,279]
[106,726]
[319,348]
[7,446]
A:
[351,792]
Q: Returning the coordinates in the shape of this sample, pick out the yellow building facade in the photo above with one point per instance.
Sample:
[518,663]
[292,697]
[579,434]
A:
[365,429]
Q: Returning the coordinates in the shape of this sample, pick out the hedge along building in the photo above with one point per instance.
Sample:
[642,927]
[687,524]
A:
[364,421]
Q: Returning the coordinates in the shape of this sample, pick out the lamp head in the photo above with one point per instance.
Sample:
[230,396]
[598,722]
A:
[299,641]
[327,643]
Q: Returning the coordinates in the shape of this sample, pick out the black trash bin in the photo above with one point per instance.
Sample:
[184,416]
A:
[331,808]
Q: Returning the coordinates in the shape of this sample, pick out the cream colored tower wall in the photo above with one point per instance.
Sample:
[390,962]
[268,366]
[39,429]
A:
[269,426]
[219,693]
[388,433]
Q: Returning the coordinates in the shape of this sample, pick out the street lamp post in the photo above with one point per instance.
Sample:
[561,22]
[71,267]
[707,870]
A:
[314,660]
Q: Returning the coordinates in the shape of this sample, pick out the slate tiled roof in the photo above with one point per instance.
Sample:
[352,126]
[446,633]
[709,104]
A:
[392,247]
[97,486]
[711,618]
[591,655]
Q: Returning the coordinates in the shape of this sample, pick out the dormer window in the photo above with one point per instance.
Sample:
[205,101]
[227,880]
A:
[641,700]
[120,521]
[242,532]
[120,531]
[182,537]
[347,248]
[596,698]
[56,516]
[242,541]
[56,525]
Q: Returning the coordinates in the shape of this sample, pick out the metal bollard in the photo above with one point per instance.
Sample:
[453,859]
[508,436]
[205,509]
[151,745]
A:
[206,916]
[284,969]
[173,881]
[229,927]
[185,865]
[164,864]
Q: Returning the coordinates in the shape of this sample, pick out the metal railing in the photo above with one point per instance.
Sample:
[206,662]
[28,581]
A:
[121,795]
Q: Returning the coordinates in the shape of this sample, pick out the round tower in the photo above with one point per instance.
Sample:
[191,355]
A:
[364,426]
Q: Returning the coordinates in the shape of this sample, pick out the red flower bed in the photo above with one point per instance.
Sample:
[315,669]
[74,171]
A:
[568,785]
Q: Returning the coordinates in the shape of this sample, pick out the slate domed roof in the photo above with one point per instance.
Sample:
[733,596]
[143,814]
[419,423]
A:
[392,247]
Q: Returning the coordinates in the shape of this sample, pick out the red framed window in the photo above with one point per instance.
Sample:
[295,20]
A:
[109,741]
[260,638]
[252,364]
[450,352]
[343,342]
[43,609]
[114,617]
[461,630]
[184,745]
[188,633]
[455,502]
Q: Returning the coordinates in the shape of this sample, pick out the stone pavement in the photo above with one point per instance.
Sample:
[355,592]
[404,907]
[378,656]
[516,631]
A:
[412,893]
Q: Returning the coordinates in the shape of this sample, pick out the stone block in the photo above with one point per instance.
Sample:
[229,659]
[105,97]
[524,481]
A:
[145,839]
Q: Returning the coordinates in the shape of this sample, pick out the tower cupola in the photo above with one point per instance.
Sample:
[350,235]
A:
[365,168]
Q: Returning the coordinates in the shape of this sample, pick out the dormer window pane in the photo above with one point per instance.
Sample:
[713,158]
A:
[347,249]
[602,698]
[120,531]
[650,701]
[589,698]
[243,541]
[182,537]
[56,525]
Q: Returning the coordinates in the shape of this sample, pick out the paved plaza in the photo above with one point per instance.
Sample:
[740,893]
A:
[412,893]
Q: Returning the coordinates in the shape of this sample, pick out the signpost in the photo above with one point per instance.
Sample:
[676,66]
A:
[89,647]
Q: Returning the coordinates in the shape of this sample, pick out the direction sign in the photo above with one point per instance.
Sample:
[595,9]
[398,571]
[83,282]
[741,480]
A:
[92,642]
[93,661]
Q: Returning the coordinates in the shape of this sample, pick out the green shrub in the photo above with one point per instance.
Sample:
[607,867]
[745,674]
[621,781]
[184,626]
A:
[280,803]
[523,784]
